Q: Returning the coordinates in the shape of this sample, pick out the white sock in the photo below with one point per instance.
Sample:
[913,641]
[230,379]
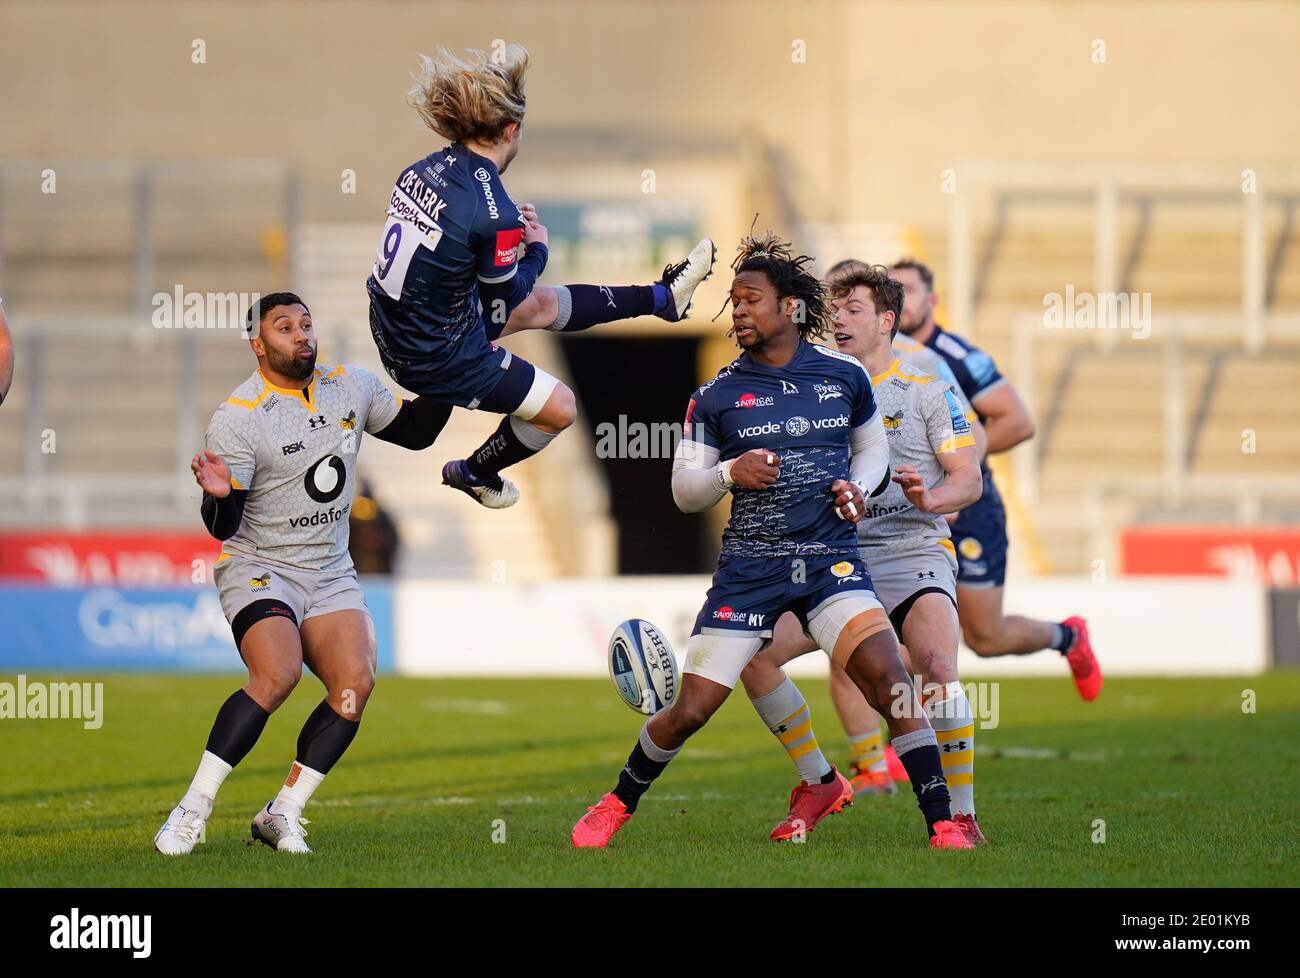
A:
[954,728]
[297,790]
[207,782]
[786,714]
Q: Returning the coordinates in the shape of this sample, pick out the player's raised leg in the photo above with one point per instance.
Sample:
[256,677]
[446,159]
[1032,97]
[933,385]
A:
[537,407]
[271,649]
[990,633]
[339,648]
[571,308]
[713,664]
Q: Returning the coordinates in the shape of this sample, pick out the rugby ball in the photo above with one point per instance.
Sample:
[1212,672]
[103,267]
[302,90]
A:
[642,666]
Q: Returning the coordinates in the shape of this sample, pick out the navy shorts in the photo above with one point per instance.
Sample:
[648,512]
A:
[749,594]
[980,535]
[471,373]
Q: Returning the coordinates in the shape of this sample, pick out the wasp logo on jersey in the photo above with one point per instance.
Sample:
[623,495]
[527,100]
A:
[350,422]
[893,421]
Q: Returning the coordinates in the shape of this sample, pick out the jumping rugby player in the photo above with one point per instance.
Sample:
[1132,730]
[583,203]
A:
[447,280]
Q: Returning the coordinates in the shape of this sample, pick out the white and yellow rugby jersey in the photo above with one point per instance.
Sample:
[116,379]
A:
[295,451]
[923,420]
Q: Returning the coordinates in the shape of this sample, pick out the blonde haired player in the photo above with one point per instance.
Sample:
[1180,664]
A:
[903,537]
[278,473]
[448,280]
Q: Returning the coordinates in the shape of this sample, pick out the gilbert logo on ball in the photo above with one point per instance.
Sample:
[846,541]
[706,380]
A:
[642,666]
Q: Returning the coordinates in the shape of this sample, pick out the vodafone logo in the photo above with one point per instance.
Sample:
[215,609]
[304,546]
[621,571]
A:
[324,481]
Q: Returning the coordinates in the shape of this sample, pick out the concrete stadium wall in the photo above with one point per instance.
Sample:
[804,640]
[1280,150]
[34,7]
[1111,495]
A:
[889,95]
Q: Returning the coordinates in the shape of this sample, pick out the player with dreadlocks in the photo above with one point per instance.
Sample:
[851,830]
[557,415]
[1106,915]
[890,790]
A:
[791,430]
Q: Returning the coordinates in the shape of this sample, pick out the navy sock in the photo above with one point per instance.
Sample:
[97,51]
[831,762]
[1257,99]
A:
[324,738]
[596,304]
[1062,637]
[643,766]
[919,752]
[239,723]
[511,443]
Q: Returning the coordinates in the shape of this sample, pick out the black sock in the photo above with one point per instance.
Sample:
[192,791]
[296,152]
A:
[829,776]
[324,738]
[504,448]
[640,771]
[596,304]
[925,771]
[1066,639]
[239,723]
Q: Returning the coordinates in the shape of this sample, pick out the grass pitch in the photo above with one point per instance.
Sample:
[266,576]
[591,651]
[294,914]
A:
[1192,791]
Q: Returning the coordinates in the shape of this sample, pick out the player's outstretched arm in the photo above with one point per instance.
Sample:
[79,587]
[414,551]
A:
[417,424]
[1006,418]
[223,505]
[962,484]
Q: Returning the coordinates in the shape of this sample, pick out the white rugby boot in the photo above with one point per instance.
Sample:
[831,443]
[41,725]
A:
[182,831]
[684,278]
[456,474]
[283,833]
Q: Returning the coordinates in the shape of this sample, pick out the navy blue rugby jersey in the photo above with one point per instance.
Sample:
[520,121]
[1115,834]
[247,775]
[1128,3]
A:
[803,412]
[450,225]
[974,369]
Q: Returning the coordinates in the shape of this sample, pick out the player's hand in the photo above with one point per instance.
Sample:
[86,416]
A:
[849,504]
[913,487]
[211,473]
[757,469]
[534,229]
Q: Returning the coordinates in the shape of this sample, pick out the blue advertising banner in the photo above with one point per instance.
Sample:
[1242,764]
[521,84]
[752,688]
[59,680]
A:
[176,629]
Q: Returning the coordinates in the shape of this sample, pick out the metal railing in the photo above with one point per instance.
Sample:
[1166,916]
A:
[1103,188]
[1168,341]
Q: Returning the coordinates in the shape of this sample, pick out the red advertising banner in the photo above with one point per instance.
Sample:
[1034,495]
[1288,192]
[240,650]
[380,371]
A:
[133,559]
[1267,553]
